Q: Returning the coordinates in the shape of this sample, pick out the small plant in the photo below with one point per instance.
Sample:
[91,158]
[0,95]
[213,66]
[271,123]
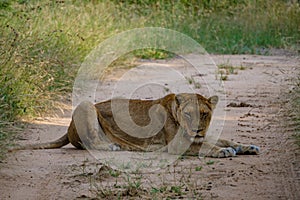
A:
[83,167]
[114,173]
[191,80]
[155,190]
[223,77]
[227,69]
[176,189]
[198,168]
[131,183]
[210,162]
[242,67]
[126,165]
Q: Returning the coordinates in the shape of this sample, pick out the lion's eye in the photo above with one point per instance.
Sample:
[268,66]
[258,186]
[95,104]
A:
[204,115]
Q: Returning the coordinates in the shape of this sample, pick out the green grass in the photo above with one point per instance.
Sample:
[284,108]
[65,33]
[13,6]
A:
[210,162]
[198,168]
[227,69]
[43,42]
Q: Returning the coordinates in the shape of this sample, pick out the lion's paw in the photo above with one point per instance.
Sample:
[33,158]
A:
[225,152]
[248,149]
[114,147]
[252,149]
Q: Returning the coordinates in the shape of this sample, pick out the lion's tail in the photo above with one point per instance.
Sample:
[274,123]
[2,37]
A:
[60,142]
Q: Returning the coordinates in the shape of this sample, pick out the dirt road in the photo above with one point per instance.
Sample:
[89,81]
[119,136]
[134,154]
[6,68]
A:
[256,88]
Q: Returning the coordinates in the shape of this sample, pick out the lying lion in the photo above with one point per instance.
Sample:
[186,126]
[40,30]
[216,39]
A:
[185,119]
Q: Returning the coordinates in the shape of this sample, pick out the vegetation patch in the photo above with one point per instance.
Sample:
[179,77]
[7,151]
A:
[227,69]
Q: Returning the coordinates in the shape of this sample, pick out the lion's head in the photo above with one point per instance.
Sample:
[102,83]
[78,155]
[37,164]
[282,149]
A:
[193,113]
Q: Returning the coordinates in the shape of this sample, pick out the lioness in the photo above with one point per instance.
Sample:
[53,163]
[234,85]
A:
[184,117]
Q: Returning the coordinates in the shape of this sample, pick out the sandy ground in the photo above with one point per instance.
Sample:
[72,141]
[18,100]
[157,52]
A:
[256,101]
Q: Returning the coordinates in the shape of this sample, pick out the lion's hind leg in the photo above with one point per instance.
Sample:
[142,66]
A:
[89,130]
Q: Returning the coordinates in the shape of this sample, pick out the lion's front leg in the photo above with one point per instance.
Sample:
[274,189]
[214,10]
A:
[224,148]
[90,132]
[239,148]
[211,150]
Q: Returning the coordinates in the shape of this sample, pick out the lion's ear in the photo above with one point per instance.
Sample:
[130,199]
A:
[174,109]
[213,100]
